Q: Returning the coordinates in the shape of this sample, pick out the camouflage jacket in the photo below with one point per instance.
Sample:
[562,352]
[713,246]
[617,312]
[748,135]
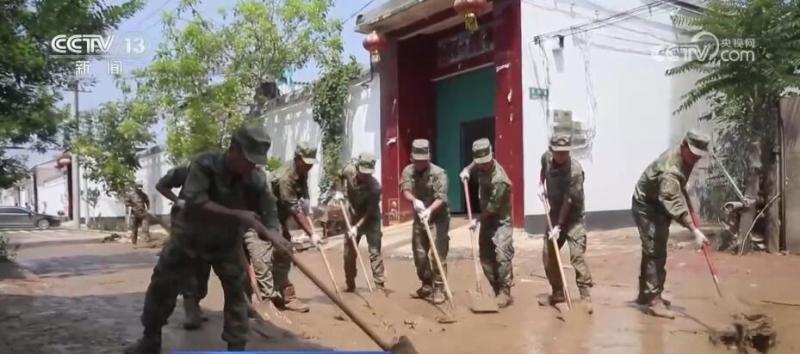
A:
[562,183]
[137,200]
[289,189]
[208,181]
[364,198]
[494,189]
[662,184]
[427,186]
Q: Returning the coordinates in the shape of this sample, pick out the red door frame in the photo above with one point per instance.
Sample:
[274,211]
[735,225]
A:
[407,103]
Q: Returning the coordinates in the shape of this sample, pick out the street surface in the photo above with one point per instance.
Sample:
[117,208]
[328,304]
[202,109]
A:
[74,294]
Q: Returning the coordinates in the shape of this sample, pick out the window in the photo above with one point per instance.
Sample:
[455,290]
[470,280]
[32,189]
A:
[13,211]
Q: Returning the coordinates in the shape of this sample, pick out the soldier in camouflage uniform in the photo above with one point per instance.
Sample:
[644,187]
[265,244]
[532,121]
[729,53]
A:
[660,197]
[138,202]
[364,196]
[425,186]
[197,286]
[261,253]
[290,185]
[495,236]
[563,178]
[225,193]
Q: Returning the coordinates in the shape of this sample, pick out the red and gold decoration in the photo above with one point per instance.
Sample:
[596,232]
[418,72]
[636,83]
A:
[470,9]
[64,160]
[374,43]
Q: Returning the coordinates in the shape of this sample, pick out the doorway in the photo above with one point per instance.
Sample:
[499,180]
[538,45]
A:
[471,131]
[464,112]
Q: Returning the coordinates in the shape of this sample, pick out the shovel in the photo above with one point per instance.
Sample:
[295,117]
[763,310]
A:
[402,346]
[448,317]
[479,302]
[554,243]
[328,267]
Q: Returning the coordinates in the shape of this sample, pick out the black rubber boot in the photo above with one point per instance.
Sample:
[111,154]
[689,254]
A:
[424,291]
[148,344]
[504,298]
[438,296]
[194,318]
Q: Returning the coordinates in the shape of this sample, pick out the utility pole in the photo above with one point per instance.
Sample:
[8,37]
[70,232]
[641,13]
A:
[75,166]
[76,188]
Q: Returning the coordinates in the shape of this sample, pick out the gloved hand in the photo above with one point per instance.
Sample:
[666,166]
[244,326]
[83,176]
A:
[352,232]
[473,224]
[464,175]
[315,238]
[180,203]
[338,196]
[699,238]
[419,206]
[425,215]
[541,190]
[555,232]
[305,206]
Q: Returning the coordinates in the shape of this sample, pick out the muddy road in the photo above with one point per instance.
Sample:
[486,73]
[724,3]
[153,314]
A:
[86,297]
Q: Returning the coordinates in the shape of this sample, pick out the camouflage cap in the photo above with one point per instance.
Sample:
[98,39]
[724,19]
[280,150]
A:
[420,149]
[481,151]
[697,142]
[560,142]
[254,141]
[307,152]
[366,163]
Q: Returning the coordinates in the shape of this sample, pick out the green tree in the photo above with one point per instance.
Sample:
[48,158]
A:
[108,142]
[329,104]
[205,74]
[744,94]
[30,75]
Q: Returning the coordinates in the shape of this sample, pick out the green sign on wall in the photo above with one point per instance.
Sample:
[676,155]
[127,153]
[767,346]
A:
[537,93]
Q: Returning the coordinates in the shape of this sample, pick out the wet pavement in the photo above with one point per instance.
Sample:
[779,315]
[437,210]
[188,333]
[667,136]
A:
[86,297]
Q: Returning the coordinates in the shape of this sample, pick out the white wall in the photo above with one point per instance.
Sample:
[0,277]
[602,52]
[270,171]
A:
[610,80]
[292,123]
[287,126]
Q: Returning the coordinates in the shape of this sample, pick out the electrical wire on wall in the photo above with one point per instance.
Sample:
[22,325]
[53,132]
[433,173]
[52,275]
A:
[590,130]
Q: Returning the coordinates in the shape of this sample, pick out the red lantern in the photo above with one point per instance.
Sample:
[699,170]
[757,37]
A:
[64,160]
[470,9]
[374,43]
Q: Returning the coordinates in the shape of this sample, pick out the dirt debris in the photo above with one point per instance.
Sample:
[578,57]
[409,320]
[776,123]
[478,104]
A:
[750,331]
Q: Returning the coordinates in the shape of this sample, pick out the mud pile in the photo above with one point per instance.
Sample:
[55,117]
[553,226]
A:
[750,331]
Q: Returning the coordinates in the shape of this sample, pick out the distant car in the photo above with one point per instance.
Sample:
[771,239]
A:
[17,217]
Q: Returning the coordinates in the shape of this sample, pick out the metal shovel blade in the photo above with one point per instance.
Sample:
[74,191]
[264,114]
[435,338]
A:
[403,346]
[482,304]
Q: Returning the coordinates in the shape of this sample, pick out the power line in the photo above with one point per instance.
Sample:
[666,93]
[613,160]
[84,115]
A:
[152,13]
[359,10]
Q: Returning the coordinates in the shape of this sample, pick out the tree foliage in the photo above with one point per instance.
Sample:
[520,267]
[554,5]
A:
[109,140]
[205,74]
[744,95]
[30,76]
[329,104]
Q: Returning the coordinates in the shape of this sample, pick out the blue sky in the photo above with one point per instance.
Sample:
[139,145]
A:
[146,24]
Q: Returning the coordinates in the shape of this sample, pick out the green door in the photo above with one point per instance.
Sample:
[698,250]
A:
[460,99]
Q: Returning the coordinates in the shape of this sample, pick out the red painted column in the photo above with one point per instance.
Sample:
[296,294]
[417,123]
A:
[407,113]
[508,102]
[391,145]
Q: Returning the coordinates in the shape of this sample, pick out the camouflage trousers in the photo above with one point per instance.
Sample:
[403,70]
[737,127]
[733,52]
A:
[282,264]
[260,253]
[175,265]
[136,220]
[196,287]
[575,236]
[427,271]
[496,253]
[653,225]
[373,234]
